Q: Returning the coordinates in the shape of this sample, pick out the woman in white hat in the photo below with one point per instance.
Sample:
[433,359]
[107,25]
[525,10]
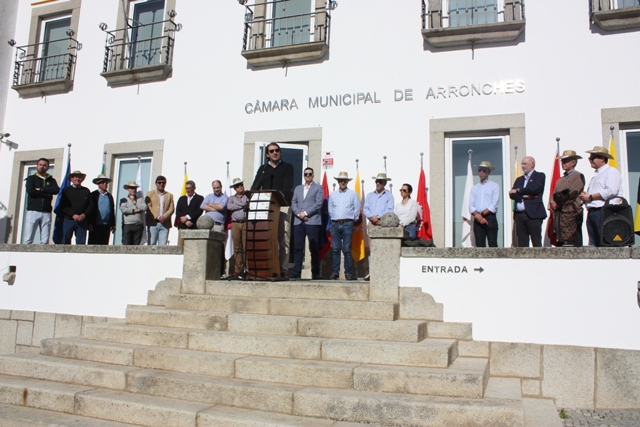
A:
[133,209]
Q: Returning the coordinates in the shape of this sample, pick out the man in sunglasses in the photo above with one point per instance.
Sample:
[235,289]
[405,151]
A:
[379,201]
[160,208]
[605,185]
[306,206]
[278,175]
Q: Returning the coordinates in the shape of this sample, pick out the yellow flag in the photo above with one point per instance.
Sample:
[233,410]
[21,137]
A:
[357,240]
[612,150]
[184,183]
[518,170]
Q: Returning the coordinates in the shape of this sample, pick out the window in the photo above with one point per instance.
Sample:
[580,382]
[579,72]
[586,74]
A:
[614,15]
[629,165]
[448,23]
[28,171]
[286,31]
[492,138]
[24,165]
[126,169]
[295,153]
[140,49]
[122,166]
[490,148]
[46,66]
[470,12]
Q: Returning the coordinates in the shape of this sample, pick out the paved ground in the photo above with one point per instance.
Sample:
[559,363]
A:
[601,418]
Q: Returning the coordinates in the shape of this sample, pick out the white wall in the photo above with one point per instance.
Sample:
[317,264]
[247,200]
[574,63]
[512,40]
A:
[581,302]
[83,284]
[570,72]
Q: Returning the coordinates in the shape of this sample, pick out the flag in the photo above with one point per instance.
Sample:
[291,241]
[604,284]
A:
[184,181]
[357,240]
[139,195]
[468,238]
[636,221]
[58,224]
[424,231]
[612,150]
[324,240]
[228,247]
[554,179]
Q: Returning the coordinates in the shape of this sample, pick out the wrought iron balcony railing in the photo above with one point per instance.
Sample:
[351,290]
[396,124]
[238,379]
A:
[459,13]
[124,49]
[263,29]
[34,65]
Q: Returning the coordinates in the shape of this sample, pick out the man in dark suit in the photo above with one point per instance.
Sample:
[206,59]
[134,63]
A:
[529,210]
[188,208]
[103,220]
[307,221]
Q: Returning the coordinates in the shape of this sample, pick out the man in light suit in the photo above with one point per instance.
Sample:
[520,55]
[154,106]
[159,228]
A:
[306,206]
[160,207]
[529,211]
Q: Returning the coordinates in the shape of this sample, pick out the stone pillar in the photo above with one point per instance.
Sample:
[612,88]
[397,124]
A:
[384,263]
[202,251]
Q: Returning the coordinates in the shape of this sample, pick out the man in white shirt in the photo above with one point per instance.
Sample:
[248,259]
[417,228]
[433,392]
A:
[605,185]
[483,205]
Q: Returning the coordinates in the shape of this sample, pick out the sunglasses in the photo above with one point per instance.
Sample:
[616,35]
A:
[275,150]
[238,185]
[161,183]
[402,190]
[595,157]
[308,174]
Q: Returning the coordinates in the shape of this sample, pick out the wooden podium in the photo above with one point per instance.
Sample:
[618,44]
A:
[263,224]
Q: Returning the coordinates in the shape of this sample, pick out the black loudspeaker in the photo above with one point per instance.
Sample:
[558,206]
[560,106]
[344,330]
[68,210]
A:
[616,224]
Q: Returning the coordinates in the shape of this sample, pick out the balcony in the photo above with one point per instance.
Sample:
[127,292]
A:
[270,39]
[37,74]
[448,23]
[130,59]
[614,15]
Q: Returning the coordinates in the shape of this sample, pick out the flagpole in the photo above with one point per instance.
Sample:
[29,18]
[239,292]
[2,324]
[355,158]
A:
[104,162]
[421,161]
[385,164]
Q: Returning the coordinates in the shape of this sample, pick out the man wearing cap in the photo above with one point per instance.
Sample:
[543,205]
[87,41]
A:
[215,206]
[235,206]
[160,207]
[188,208]
[41,187]
[307,221]
[103,220]
[344,210]
[77,206]
[564,203]
[483,205]
[379,201]
[133,209]
[605,185]
[529,210]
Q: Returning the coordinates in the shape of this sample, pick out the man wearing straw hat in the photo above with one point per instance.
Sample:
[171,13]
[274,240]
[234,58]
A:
[483,205]
[530,212]
[77,207]
[236,205]
[344,210]
[379,201]
[605,185]
[565,205]
[103,220]
[133,210]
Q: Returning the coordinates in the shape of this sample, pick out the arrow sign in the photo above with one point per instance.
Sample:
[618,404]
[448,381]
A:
[479,270]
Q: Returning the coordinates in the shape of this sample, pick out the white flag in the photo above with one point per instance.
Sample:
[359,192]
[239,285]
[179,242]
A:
[468,238]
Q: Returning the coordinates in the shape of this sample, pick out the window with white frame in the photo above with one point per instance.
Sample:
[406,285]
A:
[127,169]
[493,148]
[629,164]
[30,169]
[295,153]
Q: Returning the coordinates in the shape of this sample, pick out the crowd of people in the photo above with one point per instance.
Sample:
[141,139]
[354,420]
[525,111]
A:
[83,212]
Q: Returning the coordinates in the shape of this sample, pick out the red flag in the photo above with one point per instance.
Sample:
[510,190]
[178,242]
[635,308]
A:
[324,240]
[554,179]
[424,231]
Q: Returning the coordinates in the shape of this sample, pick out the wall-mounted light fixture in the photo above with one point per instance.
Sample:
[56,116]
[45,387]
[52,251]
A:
[3,139]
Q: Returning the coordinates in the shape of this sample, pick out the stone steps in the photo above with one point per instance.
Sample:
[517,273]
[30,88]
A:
[317,290]
[382,330]
[466,377]
[21,416]
[373,310]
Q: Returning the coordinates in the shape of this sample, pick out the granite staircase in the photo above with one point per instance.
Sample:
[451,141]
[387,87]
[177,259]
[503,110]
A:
[249,354]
